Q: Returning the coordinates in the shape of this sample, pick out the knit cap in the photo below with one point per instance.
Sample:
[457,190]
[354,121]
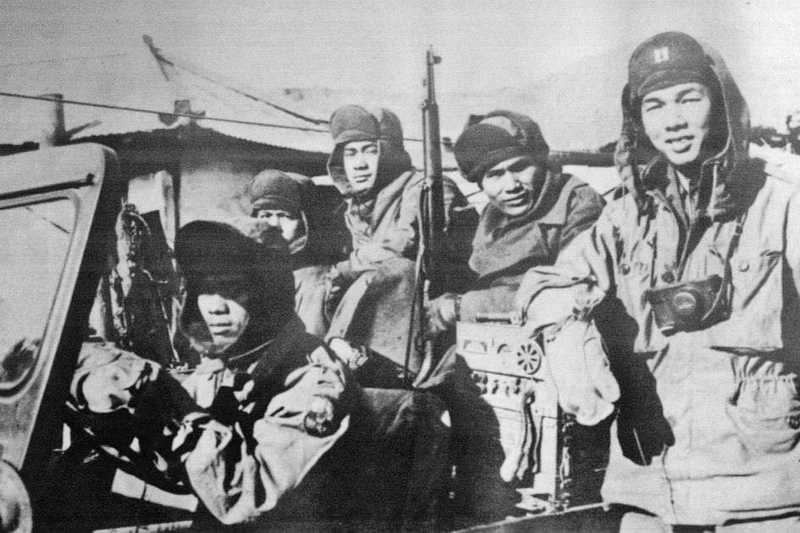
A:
[273,189]
[237,246]
[491,139]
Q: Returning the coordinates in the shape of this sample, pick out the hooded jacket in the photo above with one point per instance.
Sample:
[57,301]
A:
[271,444]
[383,223]
[504,248]
[294,377]
[709,420]
[318,242]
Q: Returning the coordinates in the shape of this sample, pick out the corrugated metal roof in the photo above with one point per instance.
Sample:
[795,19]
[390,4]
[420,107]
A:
[217,101]
[135,81]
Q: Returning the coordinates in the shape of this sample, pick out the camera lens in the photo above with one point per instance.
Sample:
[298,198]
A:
[685,303]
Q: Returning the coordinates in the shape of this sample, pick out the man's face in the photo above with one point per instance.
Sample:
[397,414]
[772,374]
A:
[285,221]
[360,160]
[222,301]
[677,120]
[509,185]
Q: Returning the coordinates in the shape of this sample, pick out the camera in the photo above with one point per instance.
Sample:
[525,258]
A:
[689,306]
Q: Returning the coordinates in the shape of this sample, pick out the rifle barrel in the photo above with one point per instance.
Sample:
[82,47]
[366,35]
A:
[433,203]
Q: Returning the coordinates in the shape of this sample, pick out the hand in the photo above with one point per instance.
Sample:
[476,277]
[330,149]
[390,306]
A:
[442,313]
[320,417]
[342,273]
[335,283]
[354,356]
[581,372]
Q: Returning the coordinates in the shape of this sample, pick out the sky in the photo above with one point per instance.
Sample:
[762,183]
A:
[487,46]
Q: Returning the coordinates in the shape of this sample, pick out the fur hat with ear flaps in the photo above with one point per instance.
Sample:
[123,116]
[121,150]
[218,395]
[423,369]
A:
[245,249]
[274,189]
[352,123]
[286,191]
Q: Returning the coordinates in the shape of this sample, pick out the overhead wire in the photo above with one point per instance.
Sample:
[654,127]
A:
[174,113]
[60,59]
[192,116]
[157,112]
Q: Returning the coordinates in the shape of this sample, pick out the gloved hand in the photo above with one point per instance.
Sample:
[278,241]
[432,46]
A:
[442,312]
[312,400]
[580,370]
[336,281]
[109,379]
[320,419]
[352,355]
[342,272]
[548,293]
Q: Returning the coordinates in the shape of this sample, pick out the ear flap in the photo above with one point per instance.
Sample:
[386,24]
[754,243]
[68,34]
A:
[627,145]
[474,119]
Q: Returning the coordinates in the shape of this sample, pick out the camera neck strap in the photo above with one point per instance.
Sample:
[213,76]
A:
[723,296]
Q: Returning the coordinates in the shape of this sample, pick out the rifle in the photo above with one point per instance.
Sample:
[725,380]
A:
[428,282]
[142,284]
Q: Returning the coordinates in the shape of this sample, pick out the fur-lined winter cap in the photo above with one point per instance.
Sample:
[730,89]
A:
[354,123]
[273,189]
[665,60]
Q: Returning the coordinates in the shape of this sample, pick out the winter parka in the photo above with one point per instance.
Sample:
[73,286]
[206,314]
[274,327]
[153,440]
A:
[384,223]
[504,248]
[708,422]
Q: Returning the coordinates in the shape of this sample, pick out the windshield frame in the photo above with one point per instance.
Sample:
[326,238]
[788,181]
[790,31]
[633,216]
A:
[15,391]
[84,175]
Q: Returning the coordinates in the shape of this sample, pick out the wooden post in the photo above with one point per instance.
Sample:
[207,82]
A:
[53,132]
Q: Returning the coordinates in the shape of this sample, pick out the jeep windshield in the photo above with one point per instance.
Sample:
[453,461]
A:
[35,243]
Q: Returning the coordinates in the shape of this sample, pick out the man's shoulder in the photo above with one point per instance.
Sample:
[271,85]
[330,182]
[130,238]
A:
[571,193]
[777,194]
[410,178]
[620,209]
[781,168]
[416,178]
[408,182]
[573,185]
[293,337]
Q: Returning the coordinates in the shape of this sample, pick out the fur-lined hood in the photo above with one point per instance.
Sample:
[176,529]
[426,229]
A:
[354,123]
[241,245]
[272,188]
[724,175]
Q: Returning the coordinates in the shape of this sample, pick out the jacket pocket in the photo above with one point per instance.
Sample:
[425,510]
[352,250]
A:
[766,413]
[752,275]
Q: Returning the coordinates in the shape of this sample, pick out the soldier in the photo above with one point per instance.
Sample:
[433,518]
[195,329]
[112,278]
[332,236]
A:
[698,263]
[239,315]
[282,201]
[371,168]
[534,211]
[269,424]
